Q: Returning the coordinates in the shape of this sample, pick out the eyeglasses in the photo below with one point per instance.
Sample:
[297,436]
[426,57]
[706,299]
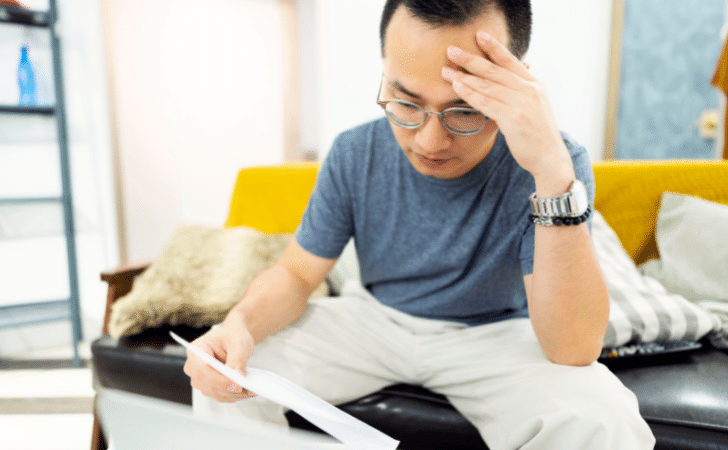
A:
[460,120]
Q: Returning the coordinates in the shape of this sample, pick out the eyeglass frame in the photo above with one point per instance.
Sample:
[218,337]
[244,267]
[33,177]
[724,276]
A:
[440,114]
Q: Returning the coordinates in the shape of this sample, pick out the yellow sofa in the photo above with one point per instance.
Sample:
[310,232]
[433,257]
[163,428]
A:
[684,401]
[628,195]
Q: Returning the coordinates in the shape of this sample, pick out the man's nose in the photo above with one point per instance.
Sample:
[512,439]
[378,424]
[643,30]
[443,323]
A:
[432,135]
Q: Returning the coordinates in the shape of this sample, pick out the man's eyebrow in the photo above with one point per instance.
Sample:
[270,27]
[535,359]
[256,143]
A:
[459,102]
[396,85]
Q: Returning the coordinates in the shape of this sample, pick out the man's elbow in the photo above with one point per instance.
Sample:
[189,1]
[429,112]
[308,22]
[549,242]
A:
[576,355]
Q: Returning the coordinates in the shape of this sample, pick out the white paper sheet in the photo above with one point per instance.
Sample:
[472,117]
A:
[351,431]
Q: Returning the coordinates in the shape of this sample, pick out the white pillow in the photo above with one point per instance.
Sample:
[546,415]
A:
[641,310]
[346,268]
[692,238]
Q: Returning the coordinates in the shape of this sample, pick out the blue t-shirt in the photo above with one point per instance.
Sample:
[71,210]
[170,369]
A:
[442,249]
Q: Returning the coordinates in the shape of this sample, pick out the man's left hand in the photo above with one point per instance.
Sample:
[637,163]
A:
[500,86]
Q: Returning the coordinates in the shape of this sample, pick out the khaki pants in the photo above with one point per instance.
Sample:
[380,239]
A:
[496,375]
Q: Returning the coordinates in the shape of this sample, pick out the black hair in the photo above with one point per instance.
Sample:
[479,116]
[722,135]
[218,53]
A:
[438,13]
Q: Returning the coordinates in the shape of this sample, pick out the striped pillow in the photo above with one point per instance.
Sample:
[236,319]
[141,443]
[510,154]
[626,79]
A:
[641,310]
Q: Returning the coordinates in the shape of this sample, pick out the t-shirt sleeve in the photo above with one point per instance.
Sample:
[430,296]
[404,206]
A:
[327,222]
[585,173]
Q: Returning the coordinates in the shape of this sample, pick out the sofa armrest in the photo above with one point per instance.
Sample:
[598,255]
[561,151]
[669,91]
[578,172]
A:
[120,282]
[123,273]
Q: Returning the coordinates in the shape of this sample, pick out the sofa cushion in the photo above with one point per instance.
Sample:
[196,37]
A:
[346,268]
[687,394]
[149,363]
[692,237]
[641,310]
[200,275]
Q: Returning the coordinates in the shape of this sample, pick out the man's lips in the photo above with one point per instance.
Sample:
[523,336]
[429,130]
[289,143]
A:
[432,162]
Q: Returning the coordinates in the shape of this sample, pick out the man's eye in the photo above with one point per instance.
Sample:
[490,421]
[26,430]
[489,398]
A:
[466,112]
[409,106]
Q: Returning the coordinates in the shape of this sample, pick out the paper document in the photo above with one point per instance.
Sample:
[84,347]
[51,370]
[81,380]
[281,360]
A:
[351,431]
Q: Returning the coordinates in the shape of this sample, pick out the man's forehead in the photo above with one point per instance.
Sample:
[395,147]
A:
[417,49]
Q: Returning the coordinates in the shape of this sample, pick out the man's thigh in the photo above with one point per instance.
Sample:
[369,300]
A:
[340,349]
[498,377]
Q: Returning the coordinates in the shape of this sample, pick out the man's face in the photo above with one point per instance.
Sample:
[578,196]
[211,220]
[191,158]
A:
[415,54]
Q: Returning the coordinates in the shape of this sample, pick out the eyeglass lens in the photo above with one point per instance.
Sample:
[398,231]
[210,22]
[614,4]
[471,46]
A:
[456,119]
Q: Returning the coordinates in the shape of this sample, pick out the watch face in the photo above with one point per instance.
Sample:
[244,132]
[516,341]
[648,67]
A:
[580,196]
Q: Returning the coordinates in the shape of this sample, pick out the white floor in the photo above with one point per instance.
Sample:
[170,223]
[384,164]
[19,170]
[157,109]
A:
[45,431]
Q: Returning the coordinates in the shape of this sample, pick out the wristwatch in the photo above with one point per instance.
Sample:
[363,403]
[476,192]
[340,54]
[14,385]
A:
[571,208]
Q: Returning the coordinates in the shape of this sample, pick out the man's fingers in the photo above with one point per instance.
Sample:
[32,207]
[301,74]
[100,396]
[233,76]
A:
[481,67]
[237,355]
[501,56]
[218,386]
[237,389]
[483,95]
[196,368]
[234,388]
[232,392]
[232,349]
[227,397]
[489,106]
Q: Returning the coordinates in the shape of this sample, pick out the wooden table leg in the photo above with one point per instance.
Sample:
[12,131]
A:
[98,442]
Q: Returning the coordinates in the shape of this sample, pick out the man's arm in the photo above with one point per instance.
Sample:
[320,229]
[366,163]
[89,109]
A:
[568,300]
[275,299]
[279,295]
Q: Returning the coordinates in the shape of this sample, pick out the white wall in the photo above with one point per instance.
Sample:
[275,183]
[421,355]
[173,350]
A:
[569,54]
[197,96]
[350,66]
[186,78]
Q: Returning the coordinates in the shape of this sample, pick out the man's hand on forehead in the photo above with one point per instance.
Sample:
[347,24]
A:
[501,87]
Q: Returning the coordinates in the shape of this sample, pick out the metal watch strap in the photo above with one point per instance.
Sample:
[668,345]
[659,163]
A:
[551,221]
[573,205]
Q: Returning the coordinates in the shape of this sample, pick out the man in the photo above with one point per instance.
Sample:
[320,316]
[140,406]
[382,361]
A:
[465,291]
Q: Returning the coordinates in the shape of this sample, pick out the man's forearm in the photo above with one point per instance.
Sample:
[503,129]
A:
[275,299]
[568,300]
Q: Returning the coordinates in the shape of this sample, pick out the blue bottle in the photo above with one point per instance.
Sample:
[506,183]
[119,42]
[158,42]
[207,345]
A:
[26,79]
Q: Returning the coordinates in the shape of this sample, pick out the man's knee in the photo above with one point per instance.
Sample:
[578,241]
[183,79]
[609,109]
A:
[587,407]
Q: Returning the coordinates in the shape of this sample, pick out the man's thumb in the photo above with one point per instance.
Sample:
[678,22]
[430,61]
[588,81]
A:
[237,358]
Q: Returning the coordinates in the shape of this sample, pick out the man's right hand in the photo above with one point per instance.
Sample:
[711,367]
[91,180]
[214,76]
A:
[232,344]
[276,298]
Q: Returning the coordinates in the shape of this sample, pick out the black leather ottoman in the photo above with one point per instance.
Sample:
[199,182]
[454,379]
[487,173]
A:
[685,401]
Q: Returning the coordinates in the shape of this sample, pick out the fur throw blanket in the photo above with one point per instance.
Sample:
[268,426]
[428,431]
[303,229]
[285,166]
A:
[200,275]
